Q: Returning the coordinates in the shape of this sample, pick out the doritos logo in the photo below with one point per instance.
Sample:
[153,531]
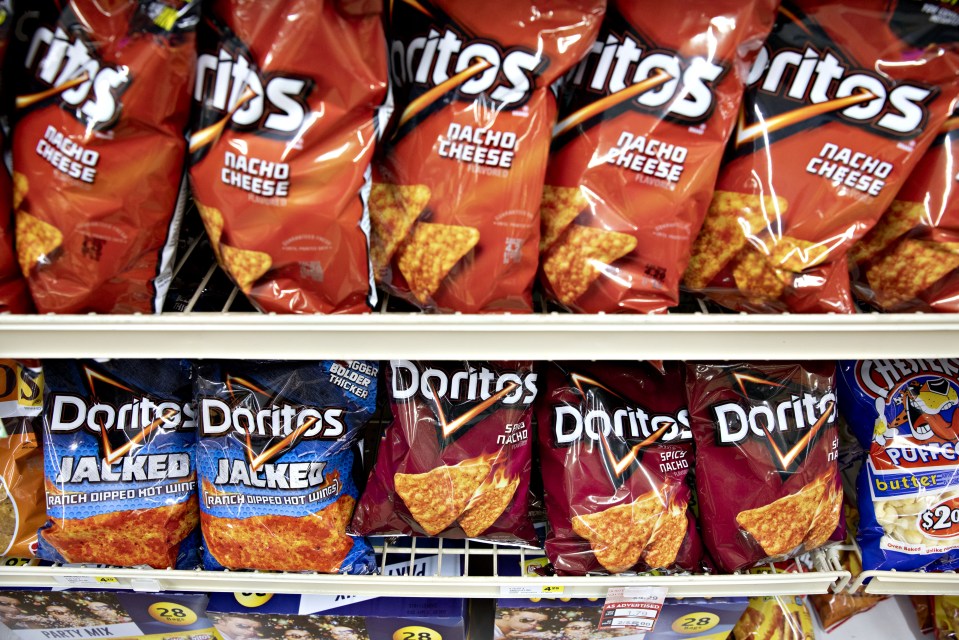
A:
[468,385]
[879,378]
[68,64]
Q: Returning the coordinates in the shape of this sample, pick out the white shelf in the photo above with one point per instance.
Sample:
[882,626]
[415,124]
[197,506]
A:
[908,583]
[537,336]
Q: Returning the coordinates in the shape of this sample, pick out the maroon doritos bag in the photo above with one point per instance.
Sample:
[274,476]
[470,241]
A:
[766,459]
[456,460]
[615,448]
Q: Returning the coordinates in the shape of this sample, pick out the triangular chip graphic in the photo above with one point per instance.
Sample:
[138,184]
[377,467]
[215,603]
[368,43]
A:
[559,208]
[213,221]
[723,233]
[793,254]
[900,218]
[36,239]
[827,516]
[912,267]
[487,506]
[436,498]
[756,278]
[245,266]
[579,257]
[430,253]
[619,534]
[667,538]
[393,210]
[781,526]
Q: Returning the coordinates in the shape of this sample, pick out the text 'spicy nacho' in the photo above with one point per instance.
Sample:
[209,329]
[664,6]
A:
[286,115]
[278,462]
[455,461]
[841,104]
[643,121]
[767,448]
[615,449]
[468,147]
[99,152]
[119,446]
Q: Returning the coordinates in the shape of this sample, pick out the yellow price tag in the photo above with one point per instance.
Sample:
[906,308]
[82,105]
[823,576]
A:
[107,579]
[553,588]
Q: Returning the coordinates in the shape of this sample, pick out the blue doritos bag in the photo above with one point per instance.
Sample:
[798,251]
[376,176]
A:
[278,461]
[904,413]
[118,461]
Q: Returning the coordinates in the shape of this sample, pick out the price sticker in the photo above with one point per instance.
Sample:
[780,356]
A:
[107,580]
[532,591]
[85,581]
[635,608]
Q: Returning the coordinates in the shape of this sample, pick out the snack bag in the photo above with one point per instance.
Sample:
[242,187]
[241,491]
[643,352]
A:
[98,152]
[904,413]
[278,462]
[946,617]
[909,260]
[21,458]
[643,121]
[775,617]
[615,448]
[455,462]
[285,119]
[766,458]
[923,607]
[119,441]
[456,198]
[842,103]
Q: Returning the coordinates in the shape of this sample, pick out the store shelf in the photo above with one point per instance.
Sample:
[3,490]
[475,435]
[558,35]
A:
[537,336]
[907,583]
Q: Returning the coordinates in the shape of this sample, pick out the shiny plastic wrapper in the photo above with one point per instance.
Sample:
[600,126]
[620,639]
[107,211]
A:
[615,449]
[287,101]
[456,197]
[643,121]
[99,152]
[841,104]
[455,461]
[945,612]
[775,617]
[767,447]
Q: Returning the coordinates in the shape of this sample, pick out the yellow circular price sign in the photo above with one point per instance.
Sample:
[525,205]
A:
[416,633]
[252,600]
[172,613]
[696,622]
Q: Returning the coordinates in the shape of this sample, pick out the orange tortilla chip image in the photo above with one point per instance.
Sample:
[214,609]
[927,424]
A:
[793,254]
[36,240]
[578,258]
[756,278]
[827,516]
[213,221]
[781,526]
[559,208]
[245,266]
[488,504]
[436,498]
[749,625]
[393,210]
[899,219]
[126,538]
[667,538]
[21,185]
[730,218]
[315,542]
[619,534]
[910,268]
[431,252]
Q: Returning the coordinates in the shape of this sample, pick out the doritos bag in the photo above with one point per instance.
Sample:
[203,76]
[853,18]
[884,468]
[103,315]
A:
[904,413]
[278,462]
[766,452]
[842,102]
[119,440]
[98,152]
[455,462]
[643,121]
[21,459]
[287,96]
[779,617]
[455,224]
[615,448]
[910,260]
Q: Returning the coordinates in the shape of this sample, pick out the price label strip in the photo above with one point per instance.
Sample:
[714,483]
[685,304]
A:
[636,608]
[532,591]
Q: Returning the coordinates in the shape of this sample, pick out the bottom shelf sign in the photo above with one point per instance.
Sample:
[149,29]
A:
[633,607]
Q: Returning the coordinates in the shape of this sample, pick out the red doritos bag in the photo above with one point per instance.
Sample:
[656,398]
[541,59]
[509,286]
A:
[455,224]
[287,97]
[842,102]
[910,260]
[98,152]
[455,462]
[643,121]
[766,459]
[615,448]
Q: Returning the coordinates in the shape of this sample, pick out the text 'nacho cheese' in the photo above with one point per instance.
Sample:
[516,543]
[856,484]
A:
[643,121]
[283,133]
[455,207]
[842,102]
